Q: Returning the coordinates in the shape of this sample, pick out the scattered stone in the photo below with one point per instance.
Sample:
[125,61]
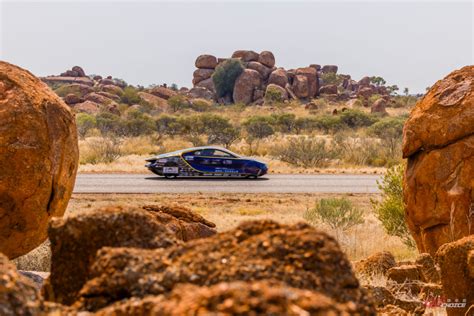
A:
[246,55]
[183,222]
[266,58]
[71,98]
[76,239]
[428,269]
[206,62]
[108,95]
[112,89]
[316,66]
[364,82]
[163,92]
[405,273]
[18,295]
[38,159]
[379,107]
[456,273]
[298,255]
[88,107]
[97,98]
[376,264]
[245,85]
[107,81]
[208,84]
[439,144]
[365,92]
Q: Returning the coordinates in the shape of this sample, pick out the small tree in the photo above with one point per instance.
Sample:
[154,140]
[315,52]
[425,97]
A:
[178,102]
[85,122]
[257,128]
[391,210]
[130,96]
[378,81]
[225,75]
[284,123]
[356,119]
[303,151]
[390,131]
[337,213]
[219,130]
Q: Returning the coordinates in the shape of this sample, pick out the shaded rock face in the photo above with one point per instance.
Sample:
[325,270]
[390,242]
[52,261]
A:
[267,58]
[438,140]
[457,273]
[202,74]
[300,86]
[18,295]
[275,89]
[312,78]
[76,239]
[233,298]
[329,69]
[38,159]
[329,89]
[201,93]
[379,106]
[298,255]
[245,86]
[263,70]
[246,55]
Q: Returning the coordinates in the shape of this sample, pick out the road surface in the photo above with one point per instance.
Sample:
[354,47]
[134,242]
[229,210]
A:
[149,183]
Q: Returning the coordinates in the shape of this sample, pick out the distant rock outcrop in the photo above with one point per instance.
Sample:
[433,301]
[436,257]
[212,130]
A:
[38,159]
[439,144]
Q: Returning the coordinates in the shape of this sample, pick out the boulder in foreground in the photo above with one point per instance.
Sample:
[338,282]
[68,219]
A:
[38,159]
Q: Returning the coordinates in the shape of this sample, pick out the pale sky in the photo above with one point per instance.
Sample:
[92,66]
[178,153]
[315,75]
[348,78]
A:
[412,44]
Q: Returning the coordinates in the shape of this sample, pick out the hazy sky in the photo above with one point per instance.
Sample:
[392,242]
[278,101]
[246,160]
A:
[411,44]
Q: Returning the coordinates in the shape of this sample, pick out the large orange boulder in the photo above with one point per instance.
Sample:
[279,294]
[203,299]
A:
[438,140]
[38,159]
[245,86]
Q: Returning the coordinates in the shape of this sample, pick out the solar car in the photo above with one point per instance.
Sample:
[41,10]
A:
[207,161]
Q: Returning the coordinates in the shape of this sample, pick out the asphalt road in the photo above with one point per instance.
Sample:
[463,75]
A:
[149,183]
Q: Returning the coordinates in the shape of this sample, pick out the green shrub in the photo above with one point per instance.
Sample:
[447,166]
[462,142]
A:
[219,130]
[109,123]
[303,151]
[328,123]
[356,119]
[64,90]
[307,123]
[225,75]
[168,125]
[337,213]
[130,96]
[178,102]
[391,210]
[102,150]
[273,95]
[200,105]
[257,128]
[137,123]
[331,78]
[284,123]
[85,122]
[390,131]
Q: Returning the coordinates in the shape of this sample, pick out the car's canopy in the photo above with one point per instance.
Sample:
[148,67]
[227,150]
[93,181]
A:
[191,149]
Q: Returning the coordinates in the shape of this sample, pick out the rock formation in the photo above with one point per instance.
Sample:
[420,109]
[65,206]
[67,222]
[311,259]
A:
[438,140]
[297,255]
[301,83]
[38,159]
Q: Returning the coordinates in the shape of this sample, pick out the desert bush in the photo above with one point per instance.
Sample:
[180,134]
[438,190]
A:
[85,122]
[64,90]
[284,123]
[360,151]
[141,145]
[307,123]
[328,123]
[193,129]
[137,123]
[303,151]
[390,210]
[178,102]
[109,123]
[273,95]
[225,75]
[200,105]
[101,150]
[337,213]
[168,125]
[390,131]
[356,119]
[257,128]
[130,96]
[331,78]
[219,130]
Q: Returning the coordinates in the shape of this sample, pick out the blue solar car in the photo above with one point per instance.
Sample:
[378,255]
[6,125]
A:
[205,162]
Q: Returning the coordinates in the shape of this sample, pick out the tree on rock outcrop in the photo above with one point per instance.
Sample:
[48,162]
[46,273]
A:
[225,76]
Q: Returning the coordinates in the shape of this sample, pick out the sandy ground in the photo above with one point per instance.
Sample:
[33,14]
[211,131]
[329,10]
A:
[228,210]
